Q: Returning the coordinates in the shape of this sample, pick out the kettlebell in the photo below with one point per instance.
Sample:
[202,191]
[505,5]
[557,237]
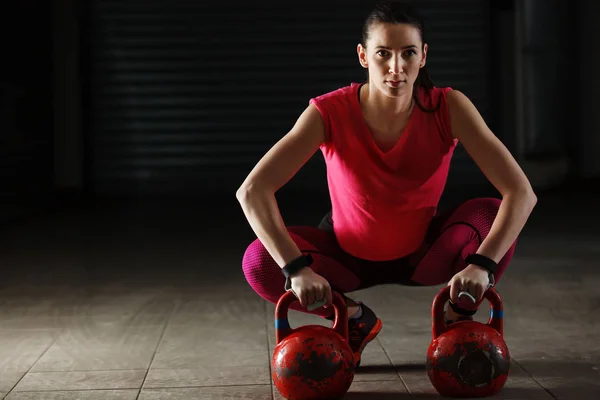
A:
[312,362]
[468,358]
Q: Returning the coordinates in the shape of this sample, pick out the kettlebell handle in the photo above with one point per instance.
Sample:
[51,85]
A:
[495,321]
[282,325]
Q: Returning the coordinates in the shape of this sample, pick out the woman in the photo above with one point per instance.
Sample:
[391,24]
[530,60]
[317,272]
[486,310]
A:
[387,145]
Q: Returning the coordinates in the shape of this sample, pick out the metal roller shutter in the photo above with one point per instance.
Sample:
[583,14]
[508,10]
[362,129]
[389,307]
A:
[186,96]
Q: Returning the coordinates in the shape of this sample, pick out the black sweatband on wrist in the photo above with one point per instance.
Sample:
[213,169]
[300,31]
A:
[296,265]
[482,261]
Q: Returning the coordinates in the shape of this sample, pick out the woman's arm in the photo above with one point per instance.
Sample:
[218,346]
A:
[500,168]
[256,195]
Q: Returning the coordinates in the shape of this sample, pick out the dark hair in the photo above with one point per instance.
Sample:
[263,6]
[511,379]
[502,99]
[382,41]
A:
[401,12]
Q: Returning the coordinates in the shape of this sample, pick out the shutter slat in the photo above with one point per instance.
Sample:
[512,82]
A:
[198,91]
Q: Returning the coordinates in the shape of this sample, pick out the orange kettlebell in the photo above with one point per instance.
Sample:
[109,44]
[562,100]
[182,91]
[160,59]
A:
[312,362]
[468,358]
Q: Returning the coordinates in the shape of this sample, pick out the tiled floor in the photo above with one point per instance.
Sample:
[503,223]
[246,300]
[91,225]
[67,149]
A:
[149,303]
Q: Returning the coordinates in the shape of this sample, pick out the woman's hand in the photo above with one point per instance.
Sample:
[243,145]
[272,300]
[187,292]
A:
[473,279]
[311,288]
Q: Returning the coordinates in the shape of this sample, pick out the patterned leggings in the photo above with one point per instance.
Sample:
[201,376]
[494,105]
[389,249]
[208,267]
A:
[451,236]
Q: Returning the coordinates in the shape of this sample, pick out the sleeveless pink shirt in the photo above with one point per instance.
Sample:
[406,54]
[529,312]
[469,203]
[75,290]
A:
[383,202]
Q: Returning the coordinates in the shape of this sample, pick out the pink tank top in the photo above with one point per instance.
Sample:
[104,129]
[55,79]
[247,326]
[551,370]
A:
[383,202]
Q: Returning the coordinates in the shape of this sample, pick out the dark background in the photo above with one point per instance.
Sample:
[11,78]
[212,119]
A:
[127,127]
[136,101]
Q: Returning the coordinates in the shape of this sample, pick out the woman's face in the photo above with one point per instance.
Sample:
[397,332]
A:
[394,54]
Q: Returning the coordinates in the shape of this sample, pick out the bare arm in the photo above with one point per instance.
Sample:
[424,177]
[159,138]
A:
[256,195]
[501,169]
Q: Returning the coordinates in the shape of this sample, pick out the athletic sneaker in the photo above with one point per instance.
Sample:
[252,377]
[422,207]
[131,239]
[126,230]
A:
[362,330]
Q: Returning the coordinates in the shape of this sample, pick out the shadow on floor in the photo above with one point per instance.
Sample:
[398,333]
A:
[505,393]
[378,369]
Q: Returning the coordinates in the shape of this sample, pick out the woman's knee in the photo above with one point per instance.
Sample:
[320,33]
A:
[262,272]
[254,260]
[482,207]
[478,213]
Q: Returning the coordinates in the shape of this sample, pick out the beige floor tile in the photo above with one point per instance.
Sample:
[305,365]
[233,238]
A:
[259,392]
[20,349]
[386,390]
[9,379]
[361,390]
[208,376]
[102,291]
[81,380]
[94,347]
[76,395]
[212,344]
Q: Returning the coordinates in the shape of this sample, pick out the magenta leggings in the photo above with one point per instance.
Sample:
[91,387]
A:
[451,236]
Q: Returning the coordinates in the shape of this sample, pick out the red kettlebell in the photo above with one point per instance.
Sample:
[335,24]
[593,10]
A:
[312,362]
[468,358]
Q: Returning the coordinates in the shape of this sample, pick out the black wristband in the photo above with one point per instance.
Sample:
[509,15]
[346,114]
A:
[296,265]
[482,261]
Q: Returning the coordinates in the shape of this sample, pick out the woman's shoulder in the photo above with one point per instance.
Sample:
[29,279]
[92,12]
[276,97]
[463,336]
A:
[435,102]
[341,94]
[434,97]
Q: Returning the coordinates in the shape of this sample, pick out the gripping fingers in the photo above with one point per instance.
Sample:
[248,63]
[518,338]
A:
[315,305]
[303,298]
[319,299]
[310,297]
[468,295]
[481,292]
[455,288]
[476,291]
[328,297]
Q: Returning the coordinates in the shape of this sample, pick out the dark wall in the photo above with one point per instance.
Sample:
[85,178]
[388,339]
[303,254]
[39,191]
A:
[69,96]
[586,67]
[144,97]
[26,108]
[185,97]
